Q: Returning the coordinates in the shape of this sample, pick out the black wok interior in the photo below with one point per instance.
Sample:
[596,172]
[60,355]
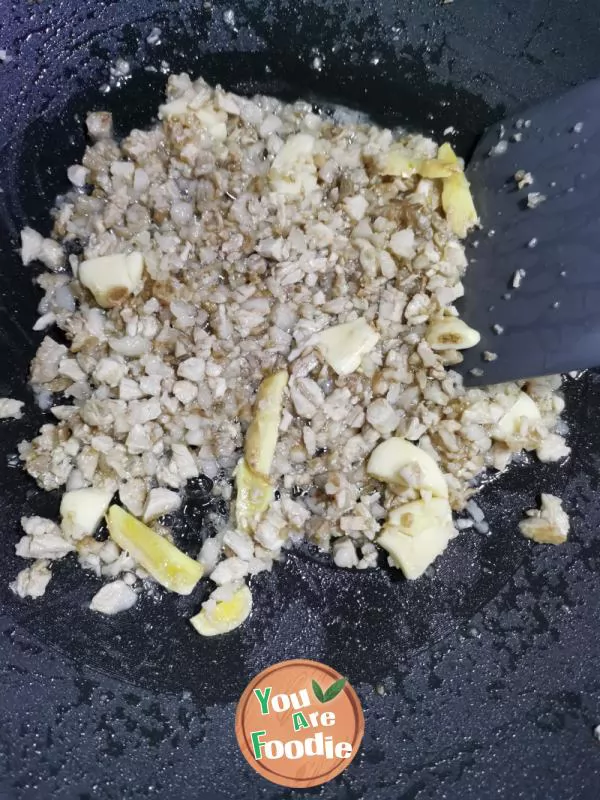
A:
[427,66]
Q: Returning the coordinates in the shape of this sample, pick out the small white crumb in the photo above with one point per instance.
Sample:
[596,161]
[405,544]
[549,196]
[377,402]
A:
[489,356]
[519,123]
[578,127]
[450,129]
[534,199]
[527,123]
[32,581]
[99,125]
[499,149]
[516,137]
[597,732]
[463,524]
[344,553]
[532,242]
[477,372]
[356,206]
[113,598]
[547,525]
[498,329]
[518,276]
[77,174]
[120,69]
[31,245]
[11,409]
[475,511]
[229,570]
[43,545]
[160,501]
[229,17]
[552,448]
[154,36]
[523,178]
[402,243]
[4,57]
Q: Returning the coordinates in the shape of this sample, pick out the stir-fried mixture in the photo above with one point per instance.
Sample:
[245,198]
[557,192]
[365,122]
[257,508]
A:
[263,295]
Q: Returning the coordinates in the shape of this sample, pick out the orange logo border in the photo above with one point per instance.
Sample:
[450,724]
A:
[272,774]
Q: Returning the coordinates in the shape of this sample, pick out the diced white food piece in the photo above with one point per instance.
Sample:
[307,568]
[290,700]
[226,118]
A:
[552,448]
[69,368]
[110,371]
[343,346]
[402,243]
[77,174]
[113,598]
[344,553]
[184,461]
[214,121]
[509,424]
[356,206]
[549,524]
[240,543]
[390,457]
[174,108]
[112,278]
[43,544]
[226,609]
[228,570]
[159,502]
[31,245]
[293,170]
[210,553]
[32,581]
[416,533]
[82,511]
[10,408]
[132,494]
[451,333]
[99,124]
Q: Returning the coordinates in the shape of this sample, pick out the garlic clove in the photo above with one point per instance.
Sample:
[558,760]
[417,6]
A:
[261,437]
[82,511]
[390,457]
[343,346]
[451,333]
[220,616]
[168,565]
[416,533]
[111,279]
[508,425]
[254,495]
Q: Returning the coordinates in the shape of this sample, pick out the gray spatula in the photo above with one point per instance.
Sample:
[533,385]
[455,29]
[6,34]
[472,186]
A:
[546,318]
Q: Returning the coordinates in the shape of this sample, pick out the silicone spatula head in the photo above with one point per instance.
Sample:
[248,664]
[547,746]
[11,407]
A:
[533,285]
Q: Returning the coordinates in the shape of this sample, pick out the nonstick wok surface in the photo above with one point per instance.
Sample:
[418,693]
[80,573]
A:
[481,682]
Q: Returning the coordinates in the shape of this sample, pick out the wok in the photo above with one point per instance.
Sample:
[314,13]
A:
[479,682]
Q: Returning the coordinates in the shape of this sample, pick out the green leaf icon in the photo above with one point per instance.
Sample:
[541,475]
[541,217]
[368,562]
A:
[331,693]
[318,692]
[335,688]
